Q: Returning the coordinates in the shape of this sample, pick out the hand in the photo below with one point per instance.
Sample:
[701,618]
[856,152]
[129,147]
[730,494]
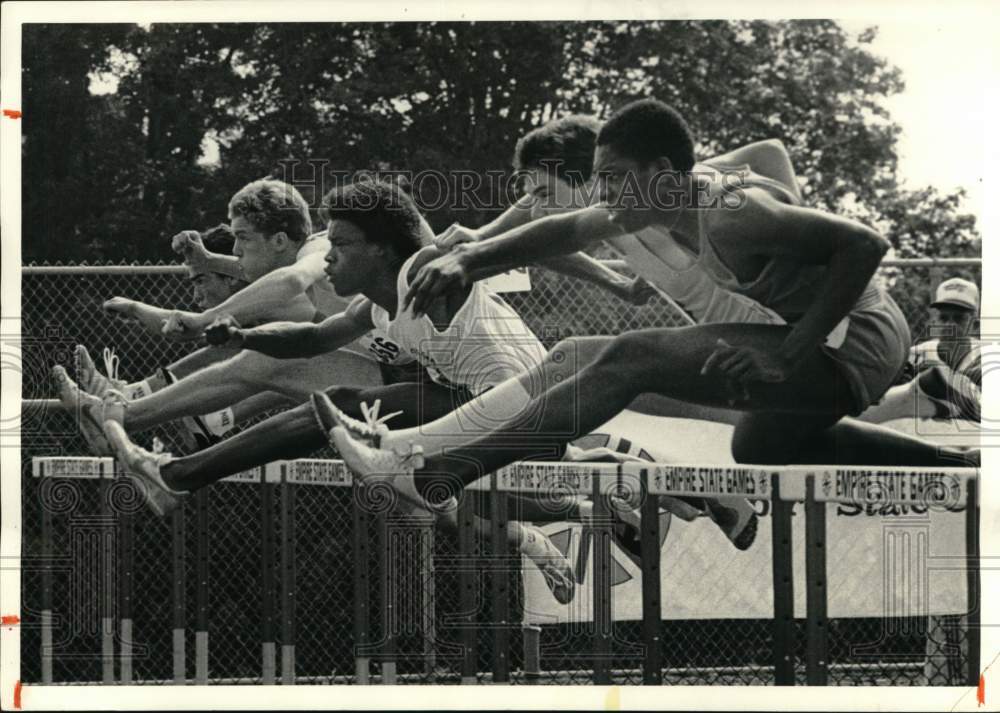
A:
[443,274]
[121,306]
[225,332]
[183,326]
[188,244]
[454,235]
[638,291]
[179,243]
[740,366]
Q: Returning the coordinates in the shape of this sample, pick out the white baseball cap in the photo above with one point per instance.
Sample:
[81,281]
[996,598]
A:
[958,293]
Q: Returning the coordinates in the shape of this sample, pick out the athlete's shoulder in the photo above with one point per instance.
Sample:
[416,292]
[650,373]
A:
[315,243]
[419,259]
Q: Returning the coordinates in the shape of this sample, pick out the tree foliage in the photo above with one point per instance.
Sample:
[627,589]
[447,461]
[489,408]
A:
[108,176]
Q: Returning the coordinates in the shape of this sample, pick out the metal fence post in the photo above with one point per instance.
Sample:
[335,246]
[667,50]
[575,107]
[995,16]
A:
[287,579]
[387,597]
[269,593]
[126,564]
[601,534]
[178,592]
[816,621]
[652,662]
[47,554]
[972,581]
[468,585]
[783,586]
[428,598]
[500,582]
[201,587]
[107,583]
[362,586]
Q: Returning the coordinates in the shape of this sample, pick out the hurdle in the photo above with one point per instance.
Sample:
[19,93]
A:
[815,487]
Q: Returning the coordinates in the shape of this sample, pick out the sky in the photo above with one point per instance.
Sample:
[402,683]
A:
[948,70]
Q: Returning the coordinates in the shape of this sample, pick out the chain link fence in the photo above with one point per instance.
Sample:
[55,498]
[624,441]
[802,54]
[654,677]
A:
[240,592]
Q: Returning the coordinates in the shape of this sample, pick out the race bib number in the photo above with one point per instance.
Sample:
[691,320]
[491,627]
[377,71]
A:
[384,350]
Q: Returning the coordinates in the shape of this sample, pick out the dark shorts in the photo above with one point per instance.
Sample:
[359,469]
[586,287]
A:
[874,347]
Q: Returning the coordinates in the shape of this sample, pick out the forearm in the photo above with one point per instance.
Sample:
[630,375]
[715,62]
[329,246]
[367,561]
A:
[286,340]
[222,264]
[537,241]
[584,267]
[515,216]
[271,292]
[151,318]
[851,268]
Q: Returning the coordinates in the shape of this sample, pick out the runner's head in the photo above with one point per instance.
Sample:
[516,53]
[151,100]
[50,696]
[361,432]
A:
[644,155]
[557,162]
[955,305]
[213,288]
[270,220]
[373,227]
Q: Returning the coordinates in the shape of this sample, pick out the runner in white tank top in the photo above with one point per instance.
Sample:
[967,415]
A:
[485,344]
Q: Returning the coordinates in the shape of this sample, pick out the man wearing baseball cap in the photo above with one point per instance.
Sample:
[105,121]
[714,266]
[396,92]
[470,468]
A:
[943,377]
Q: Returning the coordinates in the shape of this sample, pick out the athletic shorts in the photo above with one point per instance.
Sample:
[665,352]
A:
[870,347]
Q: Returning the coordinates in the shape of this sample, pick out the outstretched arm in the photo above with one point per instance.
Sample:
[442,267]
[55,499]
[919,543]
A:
[528,244]
[149,317]
[275,288]
[295,340]
[578,265]
[260,298]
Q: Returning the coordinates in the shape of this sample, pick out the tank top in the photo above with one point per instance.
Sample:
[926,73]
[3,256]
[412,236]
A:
[485,343]
[373,345]
[653,255]
[784,285]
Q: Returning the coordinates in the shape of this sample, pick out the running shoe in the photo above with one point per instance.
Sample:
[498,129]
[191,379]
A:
[369,431]
[737,519]
[553,565]
[91,380]
[375,465]
[144,468]
[89,411]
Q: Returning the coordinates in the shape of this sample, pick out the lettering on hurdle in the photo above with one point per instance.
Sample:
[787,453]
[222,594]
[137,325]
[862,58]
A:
[930,488]
[754,483]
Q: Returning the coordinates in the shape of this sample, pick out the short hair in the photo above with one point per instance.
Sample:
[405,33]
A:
[648,129]
[272,207]
[567,144]
[219,239]
[383,211]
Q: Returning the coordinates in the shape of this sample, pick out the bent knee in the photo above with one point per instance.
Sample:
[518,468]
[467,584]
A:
[638,356]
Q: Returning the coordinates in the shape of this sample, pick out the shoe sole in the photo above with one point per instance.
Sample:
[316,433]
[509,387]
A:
[327,419]
[159,500]
[90,428]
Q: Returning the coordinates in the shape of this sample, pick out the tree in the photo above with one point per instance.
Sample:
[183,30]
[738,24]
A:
[113,175]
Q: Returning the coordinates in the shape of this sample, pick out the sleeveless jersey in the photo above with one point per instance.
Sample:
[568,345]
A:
[485,343]
[662,262]
[374,345]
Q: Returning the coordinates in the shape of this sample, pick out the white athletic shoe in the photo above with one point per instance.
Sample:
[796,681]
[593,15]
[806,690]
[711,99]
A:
[88,408]
[144,468]
[370,431]
[555,568]
[377,465]
[737,519]
[91,380]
